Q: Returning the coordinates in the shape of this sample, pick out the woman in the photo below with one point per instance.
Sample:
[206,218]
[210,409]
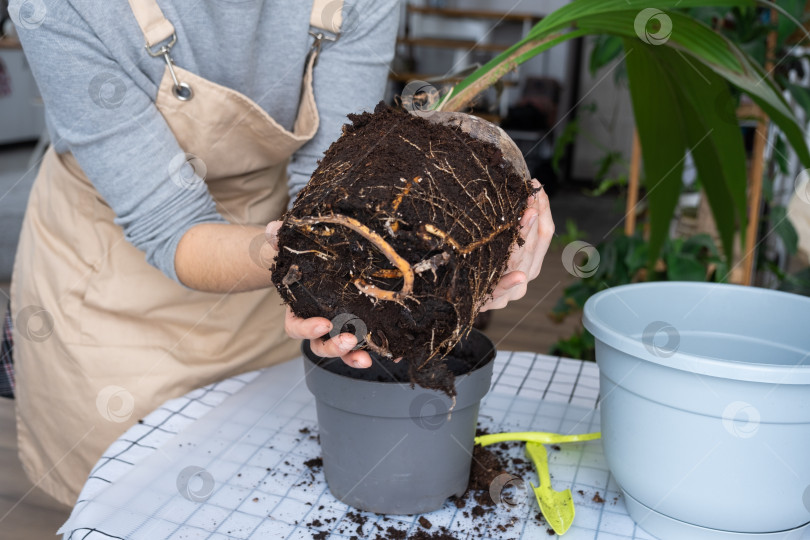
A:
[170,163]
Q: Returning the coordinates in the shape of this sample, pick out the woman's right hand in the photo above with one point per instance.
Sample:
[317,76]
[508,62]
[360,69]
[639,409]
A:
[316,328]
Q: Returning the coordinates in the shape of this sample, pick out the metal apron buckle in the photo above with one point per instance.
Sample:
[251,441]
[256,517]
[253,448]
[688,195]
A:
[181,90]
[320,37]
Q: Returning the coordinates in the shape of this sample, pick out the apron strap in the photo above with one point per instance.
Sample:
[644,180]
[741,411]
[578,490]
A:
[154,25]
[327,15]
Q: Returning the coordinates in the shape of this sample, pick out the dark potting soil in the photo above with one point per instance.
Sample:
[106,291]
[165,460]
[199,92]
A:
[471,353]
[407,225]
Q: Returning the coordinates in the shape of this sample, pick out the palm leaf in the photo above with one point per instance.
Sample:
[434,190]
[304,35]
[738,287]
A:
[662,134]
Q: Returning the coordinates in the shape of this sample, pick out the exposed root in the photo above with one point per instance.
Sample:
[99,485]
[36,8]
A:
[377,293]
[388,273]
[438,233]
[326,231]
[382,350]
[320,254]
[431,264]
[292,275]
[402,195]
[378,242]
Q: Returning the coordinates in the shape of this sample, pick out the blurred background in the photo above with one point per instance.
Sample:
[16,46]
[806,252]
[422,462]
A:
[570,112]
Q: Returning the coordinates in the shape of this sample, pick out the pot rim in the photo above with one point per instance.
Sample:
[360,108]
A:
[306,351]
[397,399]
[692,363]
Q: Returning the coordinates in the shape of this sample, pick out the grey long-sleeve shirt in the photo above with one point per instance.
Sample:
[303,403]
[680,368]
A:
[99,87]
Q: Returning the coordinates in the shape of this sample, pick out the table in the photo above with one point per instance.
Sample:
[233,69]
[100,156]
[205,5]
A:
[261,488]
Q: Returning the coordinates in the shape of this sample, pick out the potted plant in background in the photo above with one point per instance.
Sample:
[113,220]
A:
[748,27]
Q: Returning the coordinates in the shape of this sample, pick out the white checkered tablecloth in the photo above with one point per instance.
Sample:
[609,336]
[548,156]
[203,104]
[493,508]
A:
[247,431]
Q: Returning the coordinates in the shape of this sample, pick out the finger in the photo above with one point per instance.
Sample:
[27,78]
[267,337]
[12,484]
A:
[516,293]
[397,360]
[545,228]
[512,279]
[298,328]
[337,346]
[509,283]
[357,359]
[495,303]
[271,233]
[529,218]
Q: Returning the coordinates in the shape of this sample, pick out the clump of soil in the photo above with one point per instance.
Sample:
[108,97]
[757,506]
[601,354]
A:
[442,534]
[406,225]
[486,467]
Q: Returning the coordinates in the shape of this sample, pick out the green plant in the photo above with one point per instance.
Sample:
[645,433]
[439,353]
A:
[750,28]
[623,260]
[680,73]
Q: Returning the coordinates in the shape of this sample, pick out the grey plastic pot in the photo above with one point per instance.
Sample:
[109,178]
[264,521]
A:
[391,448]
[705,407]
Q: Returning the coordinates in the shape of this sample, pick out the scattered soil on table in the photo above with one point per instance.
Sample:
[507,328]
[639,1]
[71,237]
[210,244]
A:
[314,463]
[488,518]
[408,226]
[395,534]
[442,534]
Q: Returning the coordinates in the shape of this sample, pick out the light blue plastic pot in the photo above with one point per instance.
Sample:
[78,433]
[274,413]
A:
[705,406]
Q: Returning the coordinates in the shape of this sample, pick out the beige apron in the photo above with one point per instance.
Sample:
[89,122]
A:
[119,337]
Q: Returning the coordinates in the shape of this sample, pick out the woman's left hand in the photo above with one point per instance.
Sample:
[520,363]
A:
[537,229]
